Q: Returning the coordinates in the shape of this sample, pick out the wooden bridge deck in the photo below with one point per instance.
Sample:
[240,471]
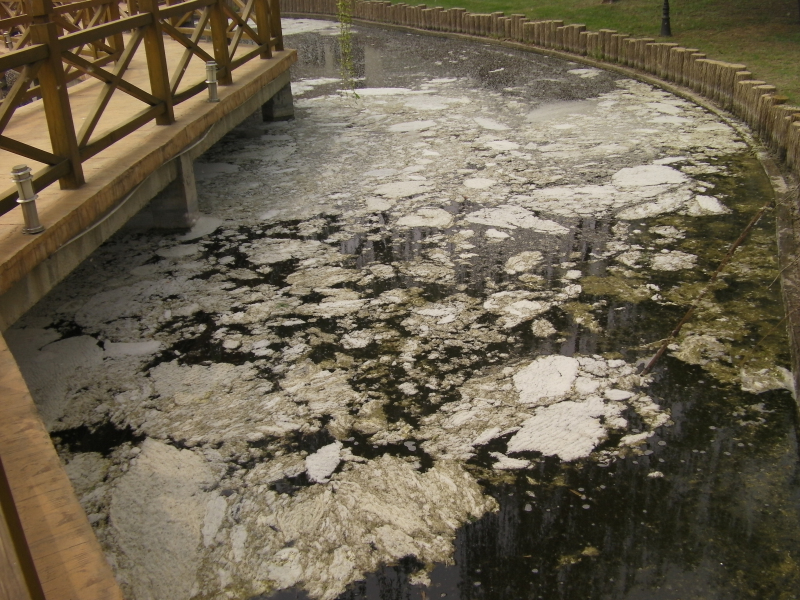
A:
[47,547]
[115,171]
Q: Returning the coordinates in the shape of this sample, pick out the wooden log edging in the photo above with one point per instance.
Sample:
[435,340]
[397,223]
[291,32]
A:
[722,87]
[729,85]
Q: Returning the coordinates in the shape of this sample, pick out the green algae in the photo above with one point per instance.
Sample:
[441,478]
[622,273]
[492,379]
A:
[582,314]
[620,286]
[736,330]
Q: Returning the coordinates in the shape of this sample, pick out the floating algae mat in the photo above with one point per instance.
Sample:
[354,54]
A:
[400,356]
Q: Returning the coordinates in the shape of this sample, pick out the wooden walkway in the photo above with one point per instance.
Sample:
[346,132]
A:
[47,547]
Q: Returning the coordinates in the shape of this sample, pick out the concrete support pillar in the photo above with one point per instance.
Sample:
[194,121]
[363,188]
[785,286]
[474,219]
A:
[174,207]
[280,107]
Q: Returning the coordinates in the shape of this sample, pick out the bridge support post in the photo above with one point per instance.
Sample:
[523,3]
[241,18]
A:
[280,107]
[176,207]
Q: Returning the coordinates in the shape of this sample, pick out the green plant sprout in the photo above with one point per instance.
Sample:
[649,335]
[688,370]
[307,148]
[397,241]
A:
[344,14]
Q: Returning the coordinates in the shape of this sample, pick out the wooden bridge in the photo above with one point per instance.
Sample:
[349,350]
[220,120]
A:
[107,104]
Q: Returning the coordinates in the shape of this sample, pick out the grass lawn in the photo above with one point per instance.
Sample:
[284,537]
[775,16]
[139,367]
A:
[762,34]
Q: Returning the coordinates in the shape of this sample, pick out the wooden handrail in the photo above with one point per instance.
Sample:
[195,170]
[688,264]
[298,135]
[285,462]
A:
[61,53]
[26,56]
[99,32]
[180,9]
[20,578]
[63,8]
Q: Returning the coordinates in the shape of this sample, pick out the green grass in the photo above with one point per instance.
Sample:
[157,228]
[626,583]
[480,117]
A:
[762,34]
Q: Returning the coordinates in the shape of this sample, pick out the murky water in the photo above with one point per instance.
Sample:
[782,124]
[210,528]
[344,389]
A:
[344,383]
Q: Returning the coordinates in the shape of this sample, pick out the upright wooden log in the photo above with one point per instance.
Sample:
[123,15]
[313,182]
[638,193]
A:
[593,44]
[517,21]
[459,19]
[605,41]
[528,32]
[583,43]
[116,40]
[793,147]
[554,25]
[559,41]
[629,51]
[538,28]
[263,25]
[575,38]
[695,70]
[55,99]
[219,40]
[728,78]
[740,95]
[781,118]
[762,107]
[676,59]
[157,61]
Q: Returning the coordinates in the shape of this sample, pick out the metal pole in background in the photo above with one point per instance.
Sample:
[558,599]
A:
[666,30]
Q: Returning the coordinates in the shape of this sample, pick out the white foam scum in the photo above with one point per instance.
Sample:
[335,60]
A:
[216,517]
[554,406]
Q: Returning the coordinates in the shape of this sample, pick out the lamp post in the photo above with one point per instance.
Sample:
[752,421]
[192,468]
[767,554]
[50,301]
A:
[211,81]
[21,175]
[666,31]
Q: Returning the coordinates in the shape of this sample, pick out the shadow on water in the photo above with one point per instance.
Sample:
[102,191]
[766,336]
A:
[720,523]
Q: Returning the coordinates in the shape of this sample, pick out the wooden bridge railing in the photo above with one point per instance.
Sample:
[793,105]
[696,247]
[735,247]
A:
[69,16]
[59,43]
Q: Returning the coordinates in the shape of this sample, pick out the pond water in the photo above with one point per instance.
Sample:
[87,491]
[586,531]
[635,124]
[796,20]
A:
[401,354]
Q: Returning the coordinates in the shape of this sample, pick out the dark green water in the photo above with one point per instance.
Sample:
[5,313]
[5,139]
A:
[724,520]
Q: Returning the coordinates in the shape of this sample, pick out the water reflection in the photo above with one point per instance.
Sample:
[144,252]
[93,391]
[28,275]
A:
[712,508]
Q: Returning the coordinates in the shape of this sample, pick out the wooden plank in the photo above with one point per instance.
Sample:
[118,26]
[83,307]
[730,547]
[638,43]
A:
[12,99]
[242,28]
[74,73]
[119,132]
[219,40]
[157,61]
[56,101]
[10,22]
[191,49]
[12,579]
[80,5]
[123,165]
[18,578]
[112,80]
[22,40]
[263,26]
[116,40]
[99,32]
[189,43]
[28,151]
[189,92]
[183,8]
[115,78]
[67,556]
[71,75]
[67,26]
[275,22]
[235,64]
[25,56]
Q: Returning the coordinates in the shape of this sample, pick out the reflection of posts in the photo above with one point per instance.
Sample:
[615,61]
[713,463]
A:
[21,174]
[666,30]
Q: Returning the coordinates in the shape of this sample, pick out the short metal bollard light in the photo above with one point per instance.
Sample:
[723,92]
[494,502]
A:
[211,80]
[21,174]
